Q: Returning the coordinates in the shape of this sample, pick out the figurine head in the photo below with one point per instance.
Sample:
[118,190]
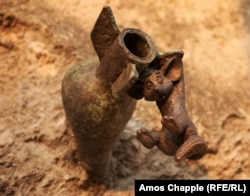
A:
[157,86]
[157,81]
[160,84]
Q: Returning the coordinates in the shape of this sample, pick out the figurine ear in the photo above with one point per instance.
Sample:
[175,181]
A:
[172,66]
[105,31]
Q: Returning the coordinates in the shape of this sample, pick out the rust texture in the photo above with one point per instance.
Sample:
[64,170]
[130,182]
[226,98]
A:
[94,92]
[165,85]
[100,94]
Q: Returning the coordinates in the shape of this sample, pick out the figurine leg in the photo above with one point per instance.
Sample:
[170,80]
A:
[193,148]
[148,139]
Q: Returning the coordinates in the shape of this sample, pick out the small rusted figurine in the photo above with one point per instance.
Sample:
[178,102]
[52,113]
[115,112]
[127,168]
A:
[165,85]
[99,97]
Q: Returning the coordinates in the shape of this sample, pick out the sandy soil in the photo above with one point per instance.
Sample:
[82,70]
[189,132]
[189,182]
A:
[40,40]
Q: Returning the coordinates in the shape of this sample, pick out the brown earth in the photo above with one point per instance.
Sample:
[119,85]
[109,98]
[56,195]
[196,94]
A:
[40,40]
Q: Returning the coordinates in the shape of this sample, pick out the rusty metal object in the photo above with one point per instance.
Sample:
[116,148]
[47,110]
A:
[99,97]
[94,92]
[165,85]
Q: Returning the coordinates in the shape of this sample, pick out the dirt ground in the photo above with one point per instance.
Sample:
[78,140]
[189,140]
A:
[40,40]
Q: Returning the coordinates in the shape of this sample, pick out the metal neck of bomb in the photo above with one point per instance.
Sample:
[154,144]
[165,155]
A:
[131,46]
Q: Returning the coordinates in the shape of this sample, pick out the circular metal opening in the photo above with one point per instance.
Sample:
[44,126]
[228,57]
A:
[137,45]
